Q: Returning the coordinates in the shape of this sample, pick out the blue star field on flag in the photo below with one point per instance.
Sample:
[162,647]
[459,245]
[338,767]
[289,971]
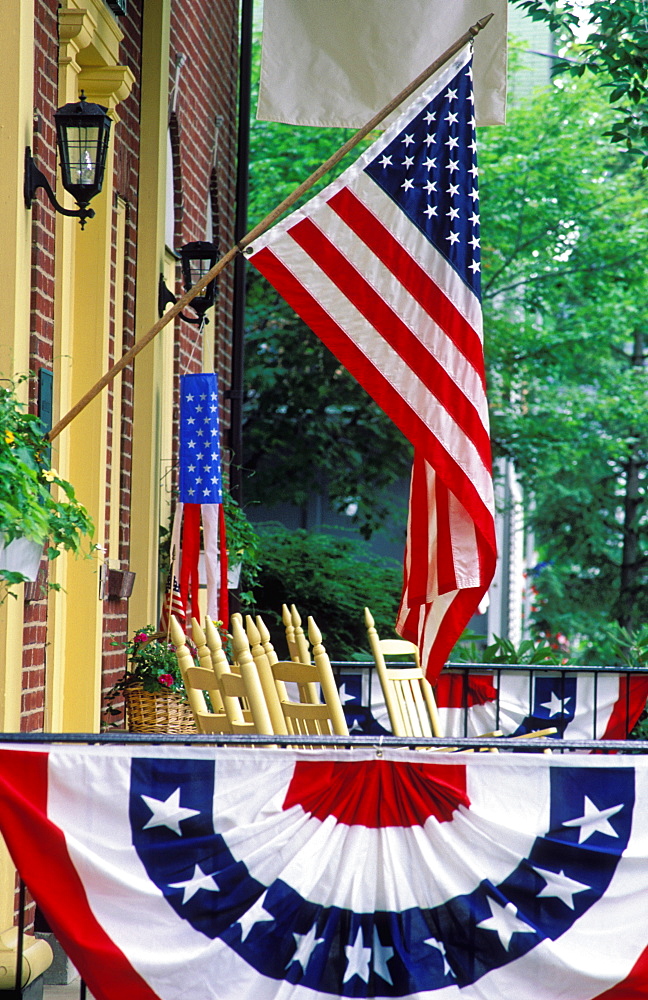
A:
[430,170]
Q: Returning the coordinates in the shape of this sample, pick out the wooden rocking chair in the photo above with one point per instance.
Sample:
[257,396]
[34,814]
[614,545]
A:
[408,695]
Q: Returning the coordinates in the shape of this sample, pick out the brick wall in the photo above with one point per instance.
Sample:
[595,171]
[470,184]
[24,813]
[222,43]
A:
[205,31]
[205,156]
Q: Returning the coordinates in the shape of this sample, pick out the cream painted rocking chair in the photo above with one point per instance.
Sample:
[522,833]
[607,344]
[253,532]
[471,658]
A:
[240,689]
[408,695]
[199,680]
[310,716]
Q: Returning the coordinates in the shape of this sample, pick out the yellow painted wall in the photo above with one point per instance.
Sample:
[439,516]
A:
[16,58]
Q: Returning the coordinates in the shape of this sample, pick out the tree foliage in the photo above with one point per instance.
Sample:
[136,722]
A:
[608,38]
[331,578]
[565,224]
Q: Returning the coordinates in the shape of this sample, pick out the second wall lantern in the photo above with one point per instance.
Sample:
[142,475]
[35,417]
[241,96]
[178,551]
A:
[196,260]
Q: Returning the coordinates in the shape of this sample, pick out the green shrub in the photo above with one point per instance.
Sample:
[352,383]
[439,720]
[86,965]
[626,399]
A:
[471,649]
[330,577]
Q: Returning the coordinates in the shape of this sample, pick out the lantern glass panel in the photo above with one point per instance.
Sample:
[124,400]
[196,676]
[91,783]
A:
[198,266]
[83,153]
[83,133]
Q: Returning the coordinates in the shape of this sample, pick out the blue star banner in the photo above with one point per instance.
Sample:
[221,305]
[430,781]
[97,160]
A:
[268,874]
[580,705]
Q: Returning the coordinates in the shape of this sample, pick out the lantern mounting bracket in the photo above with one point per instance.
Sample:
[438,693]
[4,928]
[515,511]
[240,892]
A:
[165,298]
[35,179]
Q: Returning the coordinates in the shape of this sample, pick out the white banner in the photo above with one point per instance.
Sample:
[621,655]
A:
[338,62]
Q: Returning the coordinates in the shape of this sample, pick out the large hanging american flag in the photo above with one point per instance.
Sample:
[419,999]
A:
[384,266]
[243,874]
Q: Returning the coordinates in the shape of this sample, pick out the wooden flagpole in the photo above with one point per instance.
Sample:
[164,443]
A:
[265,224]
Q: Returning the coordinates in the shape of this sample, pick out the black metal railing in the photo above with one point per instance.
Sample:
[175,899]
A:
[628,708]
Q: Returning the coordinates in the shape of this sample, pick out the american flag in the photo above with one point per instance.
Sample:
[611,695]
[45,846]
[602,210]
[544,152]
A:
[384,266]
[172,603]
[201,492]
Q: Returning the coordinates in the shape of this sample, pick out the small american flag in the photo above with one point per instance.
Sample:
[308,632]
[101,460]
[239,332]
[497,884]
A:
[384,266]
[172,603]
[201,491]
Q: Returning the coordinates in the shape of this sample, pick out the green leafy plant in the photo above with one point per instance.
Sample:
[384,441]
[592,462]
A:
[243,545]
[153,662]
[331,577]
[35,502]
[471,649]
[629,647]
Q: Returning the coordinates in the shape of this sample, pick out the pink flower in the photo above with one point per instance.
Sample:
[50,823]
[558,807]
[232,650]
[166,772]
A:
[166,679]
[141,637]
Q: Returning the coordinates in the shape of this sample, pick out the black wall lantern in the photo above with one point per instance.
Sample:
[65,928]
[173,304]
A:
[82,136]
[196,260]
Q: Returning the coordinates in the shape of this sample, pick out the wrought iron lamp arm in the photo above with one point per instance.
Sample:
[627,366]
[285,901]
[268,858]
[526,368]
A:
[165,298]
[35,179]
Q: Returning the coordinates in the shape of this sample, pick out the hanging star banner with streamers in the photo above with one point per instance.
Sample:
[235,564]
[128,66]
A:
[201,496]
[255,874]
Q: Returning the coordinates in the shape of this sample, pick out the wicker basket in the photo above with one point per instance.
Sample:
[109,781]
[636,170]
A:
[157,712]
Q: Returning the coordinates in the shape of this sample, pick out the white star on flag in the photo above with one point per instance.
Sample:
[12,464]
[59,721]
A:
[440,947]
[556,705]
[358,958]
[560,886]
[344,697]
[168,813]
[381,955]
[594,820]
[199,880]
[505,922]
[255,915]
[306,945]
